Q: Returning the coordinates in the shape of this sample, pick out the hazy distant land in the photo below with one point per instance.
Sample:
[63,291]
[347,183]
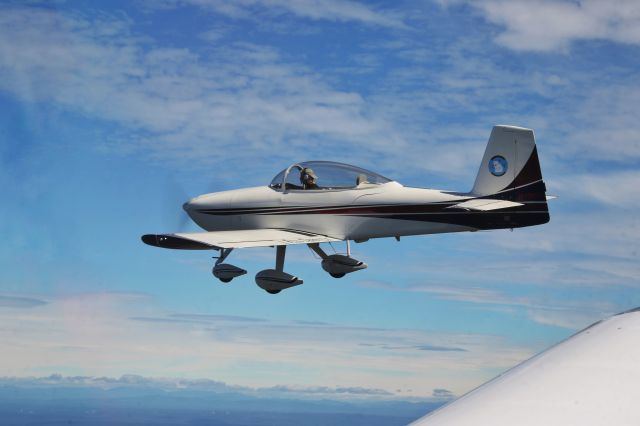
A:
[135,400]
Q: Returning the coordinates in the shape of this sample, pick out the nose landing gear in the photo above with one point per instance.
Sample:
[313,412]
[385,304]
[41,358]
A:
[225,272]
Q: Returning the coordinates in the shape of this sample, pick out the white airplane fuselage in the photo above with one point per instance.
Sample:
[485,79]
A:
[369,211]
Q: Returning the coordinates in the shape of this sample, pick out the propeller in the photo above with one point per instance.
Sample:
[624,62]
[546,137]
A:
[174,217]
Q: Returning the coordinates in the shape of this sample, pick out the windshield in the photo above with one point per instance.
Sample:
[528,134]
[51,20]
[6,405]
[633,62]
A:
[325,175]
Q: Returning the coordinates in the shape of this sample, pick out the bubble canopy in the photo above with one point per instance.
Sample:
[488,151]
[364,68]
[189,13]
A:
[330,175]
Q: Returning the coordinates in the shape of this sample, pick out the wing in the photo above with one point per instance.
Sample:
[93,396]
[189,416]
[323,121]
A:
[589,379]
[235,239]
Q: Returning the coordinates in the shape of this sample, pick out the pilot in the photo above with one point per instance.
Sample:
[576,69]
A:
[308,179]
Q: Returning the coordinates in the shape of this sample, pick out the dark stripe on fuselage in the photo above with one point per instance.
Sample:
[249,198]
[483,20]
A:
[531,194]
[477,219]
[307,209]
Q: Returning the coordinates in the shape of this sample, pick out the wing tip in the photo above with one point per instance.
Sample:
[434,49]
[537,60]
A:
[150,239]
[172,241]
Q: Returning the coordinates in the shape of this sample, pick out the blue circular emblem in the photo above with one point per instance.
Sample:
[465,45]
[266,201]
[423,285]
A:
[498,165]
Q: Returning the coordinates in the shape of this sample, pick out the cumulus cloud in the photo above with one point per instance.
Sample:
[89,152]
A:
[552,25]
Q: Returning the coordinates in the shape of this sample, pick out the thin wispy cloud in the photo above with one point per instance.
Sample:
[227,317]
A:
[543,310]
[553,25]
[177,103]
[180,104]
[612,234]
[324,390]
[346,11]
[77,330]
[20,302]
[620,189]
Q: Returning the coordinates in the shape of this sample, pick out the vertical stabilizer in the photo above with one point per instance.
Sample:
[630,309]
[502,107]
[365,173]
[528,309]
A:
[509,163]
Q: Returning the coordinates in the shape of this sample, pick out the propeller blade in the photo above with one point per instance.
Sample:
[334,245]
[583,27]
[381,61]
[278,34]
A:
[175,218]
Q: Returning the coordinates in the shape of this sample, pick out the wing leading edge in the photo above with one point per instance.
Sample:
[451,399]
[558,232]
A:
[234,239]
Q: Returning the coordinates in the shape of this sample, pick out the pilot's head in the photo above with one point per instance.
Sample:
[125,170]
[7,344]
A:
[307,176]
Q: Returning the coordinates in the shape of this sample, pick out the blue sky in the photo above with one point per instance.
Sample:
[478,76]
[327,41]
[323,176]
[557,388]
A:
[113,116]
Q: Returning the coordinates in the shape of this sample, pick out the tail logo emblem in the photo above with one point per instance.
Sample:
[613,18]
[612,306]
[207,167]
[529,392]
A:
[498,165]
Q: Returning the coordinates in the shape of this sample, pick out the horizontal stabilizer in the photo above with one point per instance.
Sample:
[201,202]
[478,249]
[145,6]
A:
[235,239]
[485,204]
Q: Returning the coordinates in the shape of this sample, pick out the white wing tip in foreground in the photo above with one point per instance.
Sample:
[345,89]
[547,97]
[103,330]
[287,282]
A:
[589,379]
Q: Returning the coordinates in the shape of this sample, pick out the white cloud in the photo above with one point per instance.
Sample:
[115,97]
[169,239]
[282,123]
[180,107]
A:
[183,105]
[113,334]
[179,104]
[170,384]
[552,25]
[620,190]
[545,309]
[329,10]
[611,235]
[601,121]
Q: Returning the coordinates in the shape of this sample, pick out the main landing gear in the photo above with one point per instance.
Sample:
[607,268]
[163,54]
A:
[273,281]
[338,265]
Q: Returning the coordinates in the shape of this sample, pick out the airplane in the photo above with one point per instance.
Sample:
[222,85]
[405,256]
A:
[316,202]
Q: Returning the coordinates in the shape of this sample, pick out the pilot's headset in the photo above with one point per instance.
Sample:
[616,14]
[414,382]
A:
[307,175]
